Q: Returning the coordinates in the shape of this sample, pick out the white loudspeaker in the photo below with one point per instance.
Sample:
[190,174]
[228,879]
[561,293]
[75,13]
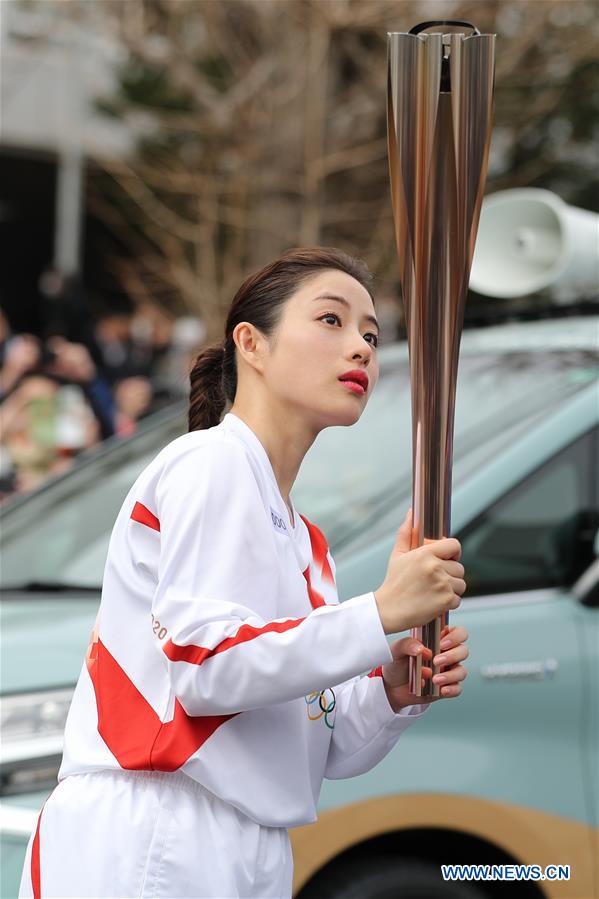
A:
[529,239]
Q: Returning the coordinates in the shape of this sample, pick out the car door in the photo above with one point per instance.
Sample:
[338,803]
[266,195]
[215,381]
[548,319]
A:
[530,666]
[515,735]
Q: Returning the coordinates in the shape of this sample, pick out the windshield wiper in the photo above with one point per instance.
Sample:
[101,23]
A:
[49,587]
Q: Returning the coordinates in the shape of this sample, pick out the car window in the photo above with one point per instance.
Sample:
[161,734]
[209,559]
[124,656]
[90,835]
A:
[69,545]
[354,481]
[540,534]
[350,479]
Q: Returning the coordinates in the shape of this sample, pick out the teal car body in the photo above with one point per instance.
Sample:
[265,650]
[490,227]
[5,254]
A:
[515,757]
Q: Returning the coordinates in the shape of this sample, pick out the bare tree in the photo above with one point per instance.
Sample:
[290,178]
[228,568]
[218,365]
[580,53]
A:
[263,127]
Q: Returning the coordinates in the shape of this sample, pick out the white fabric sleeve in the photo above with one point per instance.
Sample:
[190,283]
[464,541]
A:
[366,727]
[218,591]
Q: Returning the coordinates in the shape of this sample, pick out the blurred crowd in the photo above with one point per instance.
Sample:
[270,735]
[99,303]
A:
[60,396]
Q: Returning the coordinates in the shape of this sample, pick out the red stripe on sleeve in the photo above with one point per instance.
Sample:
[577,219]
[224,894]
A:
[144,516]
[376,672]
[195,655]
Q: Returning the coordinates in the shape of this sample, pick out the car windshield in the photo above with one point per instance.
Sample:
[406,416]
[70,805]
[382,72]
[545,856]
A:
[60,536]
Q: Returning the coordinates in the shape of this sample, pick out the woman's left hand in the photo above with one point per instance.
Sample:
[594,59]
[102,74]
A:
[453,651]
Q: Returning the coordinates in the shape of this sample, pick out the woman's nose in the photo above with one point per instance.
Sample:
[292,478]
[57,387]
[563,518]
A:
[364,351]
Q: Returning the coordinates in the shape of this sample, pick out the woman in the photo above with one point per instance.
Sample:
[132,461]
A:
[223,679]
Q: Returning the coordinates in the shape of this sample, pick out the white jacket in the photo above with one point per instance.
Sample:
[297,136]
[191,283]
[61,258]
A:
[221,648]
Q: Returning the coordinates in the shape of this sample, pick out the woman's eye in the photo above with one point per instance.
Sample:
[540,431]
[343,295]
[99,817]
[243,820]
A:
[334,315]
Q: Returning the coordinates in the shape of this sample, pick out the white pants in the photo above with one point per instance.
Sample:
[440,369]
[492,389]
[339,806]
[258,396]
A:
[151,834]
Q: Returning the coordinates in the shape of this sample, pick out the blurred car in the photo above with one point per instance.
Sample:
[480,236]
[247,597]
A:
[507,772]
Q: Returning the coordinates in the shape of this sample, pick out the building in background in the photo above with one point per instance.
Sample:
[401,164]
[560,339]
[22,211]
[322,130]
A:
[52,68]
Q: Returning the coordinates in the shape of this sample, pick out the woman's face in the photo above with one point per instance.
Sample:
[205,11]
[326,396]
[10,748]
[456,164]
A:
[318,339]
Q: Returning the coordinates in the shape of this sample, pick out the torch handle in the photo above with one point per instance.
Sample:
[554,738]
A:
[430,635]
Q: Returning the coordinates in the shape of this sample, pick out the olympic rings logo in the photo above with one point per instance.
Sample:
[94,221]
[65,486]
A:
[320,705]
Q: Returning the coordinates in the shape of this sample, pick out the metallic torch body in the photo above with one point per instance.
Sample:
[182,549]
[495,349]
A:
[439,118]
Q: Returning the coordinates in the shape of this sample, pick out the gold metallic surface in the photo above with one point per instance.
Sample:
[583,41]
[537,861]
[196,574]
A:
[438,145]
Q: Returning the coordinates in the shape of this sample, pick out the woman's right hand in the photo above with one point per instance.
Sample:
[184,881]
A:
[420,584]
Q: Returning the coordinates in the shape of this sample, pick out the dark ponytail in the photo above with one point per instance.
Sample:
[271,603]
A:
[259,301]
[206,397]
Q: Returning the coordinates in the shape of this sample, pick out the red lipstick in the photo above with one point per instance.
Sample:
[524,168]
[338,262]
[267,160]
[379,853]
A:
[356,380]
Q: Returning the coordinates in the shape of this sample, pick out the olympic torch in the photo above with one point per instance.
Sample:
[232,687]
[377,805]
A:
[439,118]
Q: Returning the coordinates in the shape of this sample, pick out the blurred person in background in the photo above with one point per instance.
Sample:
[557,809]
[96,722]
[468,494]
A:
[19,353]
[119,354]
[53,405]
[65,359]
[135,349]
[131,343]
[73,363]
[172,370]
[133,398]
[45,423]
